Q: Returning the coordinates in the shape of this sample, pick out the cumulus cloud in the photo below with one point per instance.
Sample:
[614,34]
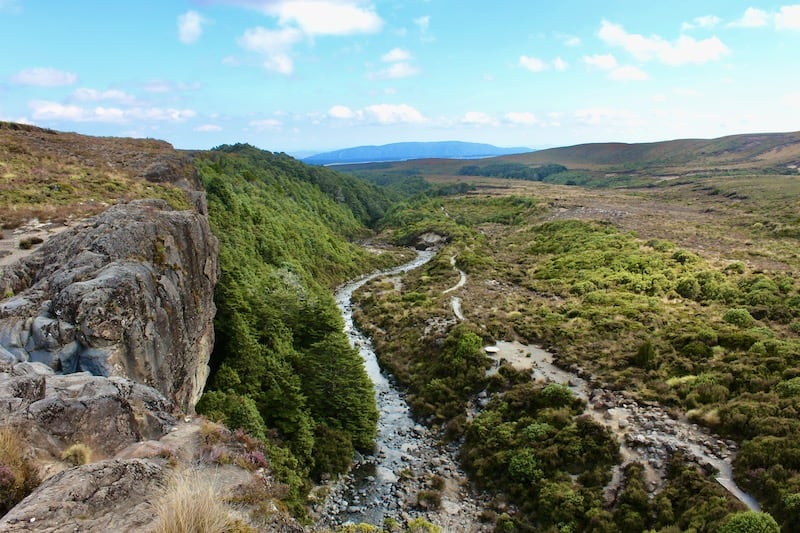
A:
[400,66]
[423,23]
[274,45]
[477,118]
[534,64]
[752,18]
[708,21]
[394,114]
[396,54]
[521,118]
[601,61]
[379,113]
[627,73]
[44,77]
[319,17]
[788,18]
[207,128]
[93,95]
[397,70]
[341,112]
[47,110]
[684,50]
[190,27]
[266,124]
[300,20]
[568,39]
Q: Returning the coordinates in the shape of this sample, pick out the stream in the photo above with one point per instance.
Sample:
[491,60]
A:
[385,483]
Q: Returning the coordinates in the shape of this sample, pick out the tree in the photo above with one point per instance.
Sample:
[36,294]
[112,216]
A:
[750,522]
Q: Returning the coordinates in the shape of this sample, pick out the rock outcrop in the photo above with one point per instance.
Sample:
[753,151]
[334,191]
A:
[127,294]
[112,495]
[54,411]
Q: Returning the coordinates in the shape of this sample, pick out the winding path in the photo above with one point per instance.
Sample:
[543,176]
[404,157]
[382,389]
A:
[455,301]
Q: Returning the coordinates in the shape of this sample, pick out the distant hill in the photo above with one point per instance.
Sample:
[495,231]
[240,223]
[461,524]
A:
[752,150]
[411,150]
[624,164]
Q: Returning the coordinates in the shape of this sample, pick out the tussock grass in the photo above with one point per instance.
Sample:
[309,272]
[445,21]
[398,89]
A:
[77,454]
[18,477]
[190,504]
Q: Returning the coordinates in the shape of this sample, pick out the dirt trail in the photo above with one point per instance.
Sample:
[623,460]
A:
[648,434]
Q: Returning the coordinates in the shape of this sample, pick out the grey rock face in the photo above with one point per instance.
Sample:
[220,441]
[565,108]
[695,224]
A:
[55,411]
[105,496]
[127,294]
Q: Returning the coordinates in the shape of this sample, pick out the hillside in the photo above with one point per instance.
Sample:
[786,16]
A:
[621,164]
[410,150]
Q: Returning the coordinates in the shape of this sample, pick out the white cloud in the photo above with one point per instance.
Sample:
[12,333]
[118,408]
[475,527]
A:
[683,51]
[601,61]
[626,73]
[380,113]
[394,113]
[521,118]
[266,124]
[190,27]
[44,77]
[396,54]
[341,112]
[93,95]
[567,39]
[396,71]
[208,128]
[46,110]
[560,65]
[752,18]
[274,45]
[477,118]
[423,23]
[708,21]
[534,64]
[788,18]
[324,17]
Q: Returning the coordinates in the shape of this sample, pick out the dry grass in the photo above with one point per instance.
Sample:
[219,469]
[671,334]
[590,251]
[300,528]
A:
[189,504]
[77,454]
[57,176]
[18,477]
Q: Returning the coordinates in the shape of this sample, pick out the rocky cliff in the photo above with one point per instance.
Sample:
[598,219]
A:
[128,294]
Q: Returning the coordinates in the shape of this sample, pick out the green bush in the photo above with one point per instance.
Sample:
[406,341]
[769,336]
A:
[750,522]
[738,317]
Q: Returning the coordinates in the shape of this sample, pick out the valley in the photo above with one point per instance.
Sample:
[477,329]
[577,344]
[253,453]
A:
[642,326]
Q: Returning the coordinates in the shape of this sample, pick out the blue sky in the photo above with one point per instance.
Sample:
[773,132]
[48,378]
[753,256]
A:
[313,75]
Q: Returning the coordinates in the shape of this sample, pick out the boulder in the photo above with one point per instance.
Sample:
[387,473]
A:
[128,294]
[113,495]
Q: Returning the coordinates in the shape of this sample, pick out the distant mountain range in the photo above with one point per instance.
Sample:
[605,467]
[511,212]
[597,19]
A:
[412,150]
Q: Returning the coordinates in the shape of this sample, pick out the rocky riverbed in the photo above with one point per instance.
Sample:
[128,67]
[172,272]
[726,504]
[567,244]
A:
[409,474]
[647,433]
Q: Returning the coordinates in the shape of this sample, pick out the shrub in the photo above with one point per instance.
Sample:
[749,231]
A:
[18,477]
[77,454]
[189,503]
[750,522]
[738,317]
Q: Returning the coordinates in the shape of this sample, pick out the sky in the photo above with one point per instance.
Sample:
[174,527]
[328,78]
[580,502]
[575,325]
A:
[305,76]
